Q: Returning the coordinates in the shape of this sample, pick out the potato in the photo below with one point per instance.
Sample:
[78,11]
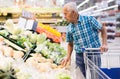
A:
[18,54]
[30,60]
[42,67]
[60,66]
[49,60]
[42,60]
[1,49]
[53,66]
[1,39]
[8,51]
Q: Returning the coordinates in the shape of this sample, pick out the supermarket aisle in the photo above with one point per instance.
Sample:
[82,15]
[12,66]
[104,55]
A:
[113,44]
[75,71]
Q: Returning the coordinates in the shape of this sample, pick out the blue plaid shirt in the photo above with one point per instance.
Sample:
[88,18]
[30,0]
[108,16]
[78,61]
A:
[84,34]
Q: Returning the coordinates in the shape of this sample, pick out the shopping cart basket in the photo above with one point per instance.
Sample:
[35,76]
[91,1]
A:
[102,65]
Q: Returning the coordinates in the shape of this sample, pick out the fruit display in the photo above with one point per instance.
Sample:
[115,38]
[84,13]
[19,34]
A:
[49,31]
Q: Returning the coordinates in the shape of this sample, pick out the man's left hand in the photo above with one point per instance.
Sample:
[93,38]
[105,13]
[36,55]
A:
[104,48]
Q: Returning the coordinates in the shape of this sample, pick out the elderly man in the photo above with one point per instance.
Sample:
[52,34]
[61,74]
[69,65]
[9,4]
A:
[82,32]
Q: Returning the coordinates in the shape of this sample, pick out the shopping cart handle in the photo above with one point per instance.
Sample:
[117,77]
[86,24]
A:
[86,49]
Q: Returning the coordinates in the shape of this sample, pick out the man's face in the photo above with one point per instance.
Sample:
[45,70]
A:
[67,15]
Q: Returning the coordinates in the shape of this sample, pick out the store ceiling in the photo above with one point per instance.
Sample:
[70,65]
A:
[88,4]
[77,1]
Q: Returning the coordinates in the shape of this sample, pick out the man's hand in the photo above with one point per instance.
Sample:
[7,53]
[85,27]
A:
[65,61]
[104,48]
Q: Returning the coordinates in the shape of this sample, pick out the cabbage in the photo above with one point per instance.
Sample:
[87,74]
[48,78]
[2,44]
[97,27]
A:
[39,48]
[45,53]
[22,75]
[33,38]
[29,44]
[15,37]
[63,76]
[16,30]
[41,38]
[4,33]
[21,40]
[26,33]
[9,23]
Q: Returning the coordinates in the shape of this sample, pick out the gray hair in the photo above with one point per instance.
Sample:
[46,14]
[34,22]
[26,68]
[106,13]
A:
[71,6]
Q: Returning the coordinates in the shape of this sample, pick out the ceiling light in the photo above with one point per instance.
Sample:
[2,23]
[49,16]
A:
[109,1]
[114,6]
[88,9]
[82,3]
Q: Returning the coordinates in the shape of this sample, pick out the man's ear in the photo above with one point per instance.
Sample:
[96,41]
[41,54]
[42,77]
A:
[73,12]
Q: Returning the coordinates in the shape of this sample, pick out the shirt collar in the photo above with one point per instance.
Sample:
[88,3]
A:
[79,20]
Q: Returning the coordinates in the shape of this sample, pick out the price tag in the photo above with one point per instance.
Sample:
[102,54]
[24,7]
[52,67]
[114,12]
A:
[22,23]
[31,25]
[27,14]
[34,25]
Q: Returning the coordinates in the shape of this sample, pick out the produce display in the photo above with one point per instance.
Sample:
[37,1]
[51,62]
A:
[38,55]
[62,23]
[10,52]
[49,31]
[33,42]
[17,69]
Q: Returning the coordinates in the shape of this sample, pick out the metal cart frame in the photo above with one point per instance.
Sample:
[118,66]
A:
[93,70]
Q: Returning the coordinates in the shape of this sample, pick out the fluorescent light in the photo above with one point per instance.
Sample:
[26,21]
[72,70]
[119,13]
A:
[82,3]
[109,1]
[88,9]
[17,0]
[114,6]
[96,14]
[62,1]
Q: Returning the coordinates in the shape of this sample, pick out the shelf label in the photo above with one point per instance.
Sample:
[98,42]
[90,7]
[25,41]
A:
[22,22]
[27,24]
[27,14]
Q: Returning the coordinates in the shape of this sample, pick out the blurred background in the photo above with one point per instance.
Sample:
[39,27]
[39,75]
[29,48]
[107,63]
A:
[50,12]
[43,28]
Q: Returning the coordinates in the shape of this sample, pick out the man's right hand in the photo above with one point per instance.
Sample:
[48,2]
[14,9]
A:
[65,61]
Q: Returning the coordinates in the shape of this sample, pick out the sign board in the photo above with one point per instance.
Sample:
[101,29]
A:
[27,24]
[22,22]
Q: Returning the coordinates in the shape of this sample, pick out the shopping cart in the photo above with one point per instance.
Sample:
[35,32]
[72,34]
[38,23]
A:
[102,65]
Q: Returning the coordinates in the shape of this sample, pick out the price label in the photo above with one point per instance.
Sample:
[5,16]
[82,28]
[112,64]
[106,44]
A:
[27,14]
[22,23]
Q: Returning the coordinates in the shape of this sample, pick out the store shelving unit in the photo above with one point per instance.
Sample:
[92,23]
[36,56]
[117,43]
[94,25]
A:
[118,24]
[44,15]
